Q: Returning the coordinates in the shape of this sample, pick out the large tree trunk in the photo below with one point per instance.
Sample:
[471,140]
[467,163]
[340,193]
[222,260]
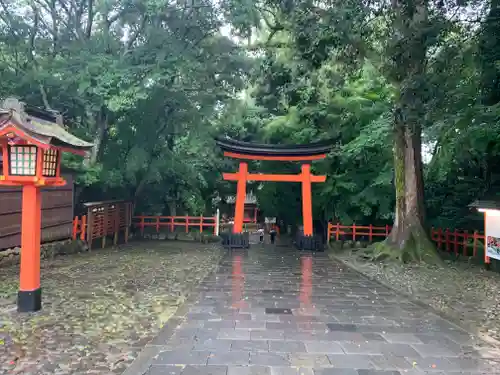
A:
[409,240]
[409,236]
[172,208]
[489,55]
[101,127]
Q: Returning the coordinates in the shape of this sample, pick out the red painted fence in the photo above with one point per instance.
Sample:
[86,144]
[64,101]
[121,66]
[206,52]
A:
[356,231]
[170,222]
[446,240]
[80,228]
[456,241]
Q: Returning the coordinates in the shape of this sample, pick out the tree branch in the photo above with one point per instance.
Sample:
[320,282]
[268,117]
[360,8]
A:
[90,19]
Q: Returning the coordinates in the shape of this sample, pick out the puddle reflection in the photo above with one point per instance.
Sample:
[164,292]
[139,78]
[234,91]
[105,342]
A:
[238,283]
[306,281]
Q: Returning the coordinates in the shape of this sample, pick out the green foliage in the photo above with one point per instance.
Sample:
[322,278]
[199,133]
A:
[152,82]
[143,80]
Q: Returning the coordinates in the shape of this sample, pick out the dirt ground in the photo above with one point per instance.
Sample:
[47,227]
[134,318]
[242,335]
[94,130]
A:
[464,291]
[99,308]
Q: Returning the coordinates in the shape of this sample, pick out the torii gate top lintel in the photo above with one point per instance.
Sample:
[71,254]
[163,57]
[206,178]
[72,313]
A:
[255,151]
[305,153]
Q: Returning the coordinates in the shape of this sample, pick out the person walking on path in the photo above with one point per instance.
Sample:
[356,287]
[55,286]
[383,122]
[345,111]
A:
[261,234]
[272,234]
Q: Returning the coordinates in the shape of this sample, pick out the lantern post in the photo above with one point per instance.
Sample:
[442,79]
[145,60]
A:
[32,142]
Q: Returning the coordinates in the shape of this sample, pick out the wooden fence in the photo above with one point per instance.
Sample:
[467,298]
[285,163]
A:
[459,242]
[57,214]
[171,222]
[104,219]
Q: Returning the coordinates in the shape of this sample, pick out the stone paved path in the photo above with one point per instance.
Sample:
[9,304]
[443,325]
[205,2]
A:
[274,311]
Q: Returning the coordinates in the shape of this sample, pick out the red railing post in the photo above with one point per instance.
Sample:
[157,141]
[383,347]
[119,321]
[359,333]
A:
[371,233]
[142,225]
[447,239]
[83,228]
[440,238]
[337,231]
[354,232]
[201,224]
[455,242]
[157,224]
[172,227]
[465,243]
[187,223]
[75,227]
[387,230]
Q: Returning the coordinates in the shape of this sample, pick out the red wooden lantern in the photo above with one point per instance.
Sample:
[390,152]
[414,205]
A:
[32,141]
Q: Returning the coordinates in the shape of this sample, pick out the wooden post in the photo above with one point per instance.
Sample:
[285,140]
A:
[307,200]
[142,226]
[455,242]
[172,227]
[447,239]
[239,207]
[90,227]
[30,294]
[337,232]
[354,232]
[187,223]
[201,224]
[464,243]
[5,157]
[371,233]
[116,224]
[157,224]
[128,209]
[387,230]
[83,228]
[105,225]
[440,238]
[75,227]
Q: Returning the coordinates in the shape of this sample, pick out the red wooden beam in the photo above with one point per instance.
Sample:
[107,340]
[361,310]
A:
[235,155]
[272,177]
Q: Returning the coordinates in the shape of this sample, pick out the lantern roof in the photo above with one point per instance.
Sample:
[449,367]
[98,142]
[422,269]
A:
[44,128]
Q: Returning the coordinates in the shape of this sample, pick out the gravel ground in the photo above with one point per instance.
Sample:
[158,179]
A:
[99,308]
[464,292]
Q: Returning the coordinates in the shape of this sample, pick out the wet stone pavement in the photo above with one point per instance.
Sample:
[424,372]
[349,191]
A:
[275,311]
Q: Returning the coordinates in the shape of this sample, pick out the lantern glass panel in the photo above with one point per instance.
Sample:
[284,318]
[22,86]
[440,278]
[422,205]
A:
[50,163]
[22,160]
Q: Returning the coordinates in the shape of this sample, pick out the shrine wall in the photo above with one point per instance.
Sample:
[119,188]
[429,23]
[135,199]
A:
[57,214]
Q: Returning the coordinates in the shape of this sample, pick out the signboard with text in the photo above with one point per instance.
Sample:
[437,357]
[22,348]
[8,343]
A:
[493,234]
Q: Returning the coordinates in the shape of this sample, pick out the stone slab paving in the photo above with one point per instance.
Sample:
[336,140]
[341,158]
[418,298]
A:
[275,311]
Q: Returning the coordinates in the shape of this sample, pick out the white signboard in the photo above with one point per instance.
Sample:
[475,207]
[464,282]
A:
[270,220]
[493,234]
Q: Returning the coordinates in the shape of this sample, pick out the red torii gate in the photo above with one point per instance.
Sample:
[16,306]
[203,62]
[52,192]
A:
[305,154]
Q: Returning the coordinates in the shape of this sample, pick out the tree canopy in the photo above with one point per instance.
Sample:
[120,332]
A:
[409,91]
